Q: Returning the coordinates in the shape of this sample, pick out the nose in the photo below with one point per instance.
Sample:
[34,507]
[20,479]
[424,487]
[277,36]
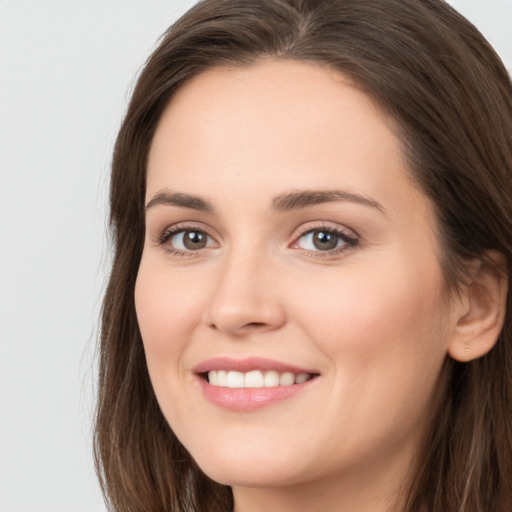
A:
[245,297]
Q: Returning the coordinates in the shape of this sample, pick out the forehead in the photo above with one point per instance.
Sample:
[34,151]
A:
[276,124]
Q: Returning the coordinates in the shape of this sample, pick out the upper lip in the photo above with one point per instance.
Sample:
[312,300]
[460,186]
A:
[248,364]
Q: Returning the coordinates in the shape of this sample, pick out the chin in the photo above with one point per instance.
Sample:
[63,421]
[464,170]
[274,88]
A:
[254,466]
[253,474]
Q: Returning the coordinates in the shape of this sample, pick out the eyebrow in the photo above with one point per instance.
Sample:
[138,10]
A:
[179,199]
[285,202]
[304,198]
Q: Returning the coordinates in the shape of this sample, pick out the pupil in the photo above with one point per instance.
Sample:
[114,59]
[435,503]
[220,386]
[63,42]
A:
[324,240]
[194,240]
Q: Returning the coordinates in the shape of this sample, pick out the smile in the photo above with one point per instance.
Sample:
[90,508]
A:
[249,384]
[255,378]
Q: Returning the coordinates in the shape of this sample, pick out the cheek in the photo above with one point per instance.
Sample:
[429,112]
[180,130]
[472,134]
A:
[377,318]
[398,299]
[382,328]
[166,315]
[385,339]
[168,311]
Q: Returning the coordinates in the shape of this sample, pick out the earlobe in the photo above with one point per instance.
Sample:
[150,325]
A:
[484,305]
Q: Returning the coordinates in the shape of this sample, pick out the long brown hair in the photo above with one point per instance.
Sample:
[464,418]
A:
[435,74]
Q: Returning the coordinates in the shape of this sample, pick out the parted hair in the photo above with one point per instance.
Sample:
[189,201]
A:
[432,71]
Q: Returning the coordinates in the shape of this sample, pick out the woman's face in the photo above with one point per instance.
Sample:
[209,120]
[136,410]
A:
[290,260]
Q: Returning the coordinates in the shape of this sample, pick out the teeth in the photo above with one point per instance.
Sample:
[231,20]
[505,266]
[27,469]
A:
[255,379]
[222,378]
[302,377]
[235,380]
[213,378]
[271,379]
[287,379]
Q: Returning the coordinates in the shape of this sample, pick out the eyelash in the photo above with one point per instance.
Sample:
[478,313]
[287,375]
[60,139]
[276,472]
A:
[350,241]
[168,233]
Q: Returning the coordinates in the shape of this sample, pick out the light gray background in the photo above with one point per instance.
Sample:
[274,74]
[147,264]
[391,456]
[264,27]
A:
[66,68]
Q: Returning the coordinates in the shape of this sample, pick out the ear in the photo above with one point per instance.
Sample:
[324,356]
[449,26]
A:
[482,312]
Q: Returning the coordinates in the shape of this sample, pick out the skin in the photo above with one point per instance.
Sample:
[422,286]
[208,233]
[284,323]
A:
[371,319]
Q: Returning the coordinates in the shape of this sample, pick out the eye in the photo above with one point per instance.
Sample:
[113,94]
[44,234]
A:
[325,240]
[182,241]
[189,240]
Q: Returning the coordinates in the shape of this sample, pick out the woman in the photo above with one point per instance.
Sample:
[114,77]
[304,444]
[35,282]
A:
[307,308]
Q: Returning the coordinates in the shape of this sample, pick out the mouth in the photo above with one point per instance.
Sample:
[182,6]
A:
[249,384]
[255,378]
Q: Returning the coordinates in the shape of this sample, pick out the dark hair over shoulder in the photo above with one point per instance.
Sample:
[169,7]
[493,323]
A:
[434,73]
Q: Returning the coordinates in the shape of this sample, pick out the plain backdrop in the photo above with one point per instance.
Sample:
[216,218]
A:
[66,70]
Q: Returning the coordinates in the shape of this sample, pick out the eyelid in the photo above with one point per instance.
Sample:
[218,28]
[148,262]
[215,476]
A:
[347,235]
[327,226]
[163,236]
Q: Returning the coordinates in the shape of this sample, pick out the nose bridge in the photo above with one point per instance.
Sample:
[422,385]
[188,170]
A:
[244,299]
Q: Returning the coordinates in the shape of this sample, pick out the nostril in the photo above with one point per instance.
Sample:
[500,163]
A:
[250,326]
[255,325]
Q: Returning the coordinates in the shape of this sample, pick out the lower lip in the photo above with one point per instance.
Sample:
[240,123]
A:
[250,399]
